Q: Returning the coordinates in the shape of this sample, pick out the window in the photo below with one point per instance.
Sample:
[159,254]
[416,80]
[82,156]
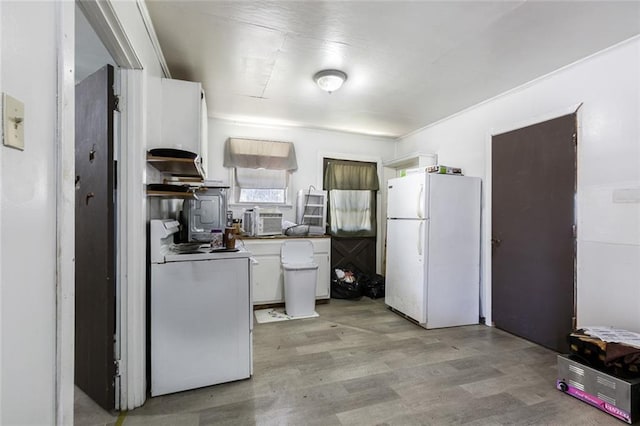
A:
[262,186]
[261,170]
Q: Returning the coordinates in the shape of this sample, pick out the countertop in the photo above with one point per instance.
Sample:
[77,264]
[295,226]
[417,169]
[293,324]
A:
[280,237]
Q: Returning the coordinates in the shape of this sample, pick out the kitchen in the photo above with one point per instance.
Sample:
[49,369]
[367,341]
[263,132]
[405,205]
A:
[461,141]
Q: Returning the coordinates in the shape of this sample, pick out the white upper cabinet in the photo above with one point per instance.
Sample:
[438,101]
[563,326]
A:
[183,117]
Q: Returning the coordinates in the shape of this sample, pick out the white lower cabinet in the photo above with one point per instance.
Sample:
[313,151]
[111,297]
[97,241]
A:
[268,278]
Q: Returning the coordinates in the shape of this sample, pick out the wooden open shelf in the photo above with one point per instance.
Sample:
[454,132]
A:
[169,194]
[183,167]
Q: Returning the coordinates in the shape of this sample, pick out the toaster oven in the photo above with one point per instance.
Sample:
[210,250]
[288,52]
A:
[204,214]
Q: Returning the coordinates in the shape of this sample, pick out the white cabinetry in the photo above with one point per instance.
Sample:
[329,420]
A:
[183,117]
[410,161]
[268,280]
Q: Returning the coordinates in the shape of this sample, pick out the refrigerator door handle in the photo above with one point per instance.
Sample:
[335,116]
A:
[420,238]
[421,202]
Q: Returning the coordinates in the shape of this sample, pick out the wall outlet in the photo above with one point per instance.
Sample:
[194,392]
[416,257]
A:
[12,122]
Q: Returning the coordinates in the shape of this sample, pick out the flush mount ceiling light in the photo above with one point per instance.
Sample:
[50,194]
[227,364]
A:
[329,80]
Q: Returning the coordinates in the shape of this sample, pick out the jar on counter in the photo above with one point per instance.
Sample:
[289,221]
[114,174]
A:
[230,238]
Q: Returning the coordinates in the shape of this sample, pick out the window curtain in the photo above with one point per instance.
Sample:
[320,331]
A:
[352,198]
[351,175]
[258,154]
[351,213]
[261,178]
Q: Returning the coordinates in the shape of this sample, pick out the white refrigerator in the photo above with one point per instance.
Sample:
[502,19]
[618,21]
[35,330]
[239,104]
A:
[433,249]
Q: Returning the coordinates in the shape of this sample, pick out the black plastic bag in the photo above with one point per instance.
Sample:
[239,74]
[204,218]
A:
[374,287]
[343,289]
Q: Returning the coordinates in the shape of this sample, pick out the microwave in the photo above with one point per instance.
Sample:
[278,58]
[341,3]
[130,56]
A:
[205,213]
[258,222]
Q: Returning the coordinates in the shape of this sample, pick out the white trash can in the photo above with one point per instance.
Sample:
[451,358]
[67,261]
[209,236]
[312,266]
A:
[300,276]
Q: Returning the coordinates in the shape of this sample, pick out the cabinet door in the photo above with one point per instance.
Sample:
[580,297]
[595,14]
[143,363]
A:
[181,115]
[322,256]
[267,279]
[324,277]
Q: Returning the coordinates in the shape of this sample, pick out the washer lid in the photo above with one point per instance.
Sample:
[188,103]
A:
[297,252]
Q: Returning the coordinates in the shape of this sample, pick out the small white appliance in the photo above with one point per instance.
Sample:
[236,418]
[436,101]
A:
[261,222]
[300,278]
[433,249]
[201,313]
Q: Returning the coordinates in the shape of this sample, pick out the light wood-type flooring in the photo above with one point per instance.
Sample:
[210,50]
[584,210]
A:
[360,364]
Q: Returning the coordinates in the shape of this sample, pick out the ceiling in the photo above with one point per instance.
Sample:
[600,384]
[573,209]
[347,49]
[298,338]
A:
[410,63]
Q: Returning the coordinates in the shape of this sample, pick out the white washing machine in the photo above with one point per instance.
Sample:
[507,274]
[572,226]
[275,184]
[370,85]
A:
[201,323]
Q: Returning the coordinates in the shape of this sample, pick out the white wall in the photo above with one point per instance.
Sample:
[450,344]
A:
[311,145]
[29,37]
[28,59]
[608,83]
[133,24]
[90,53]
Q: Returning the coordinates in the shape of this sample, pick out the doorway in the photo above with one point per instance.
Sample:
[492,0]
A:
[352,187]
[533,231]
[96,216]
[100,39]
[95,229]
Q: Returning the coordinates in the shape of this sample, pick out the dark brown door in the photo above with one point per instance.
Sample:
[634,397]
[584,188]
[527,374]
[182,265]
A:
[354,253]
[533,192]
[95,232]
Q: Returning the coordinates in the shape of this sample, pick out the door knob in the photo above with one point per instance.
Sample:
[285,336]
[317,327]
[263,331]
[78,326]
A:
[495,242]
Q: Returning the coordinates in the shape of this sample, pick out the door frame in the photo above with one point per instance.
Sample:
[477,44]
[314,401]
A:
[132,202]
[381,225]
[486,231]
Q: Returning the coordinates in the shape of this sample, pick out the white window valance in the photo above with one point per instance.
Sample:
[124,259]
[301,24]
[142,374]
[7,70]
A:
[261,178]
[259,154]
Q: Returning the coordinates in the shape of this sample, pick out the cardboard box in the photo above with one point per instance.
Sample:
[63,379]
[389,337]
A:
[444,170]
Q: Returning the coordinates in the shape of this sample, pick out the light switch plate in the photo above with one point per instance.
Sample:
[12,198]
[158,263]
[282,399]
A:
[12,122]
